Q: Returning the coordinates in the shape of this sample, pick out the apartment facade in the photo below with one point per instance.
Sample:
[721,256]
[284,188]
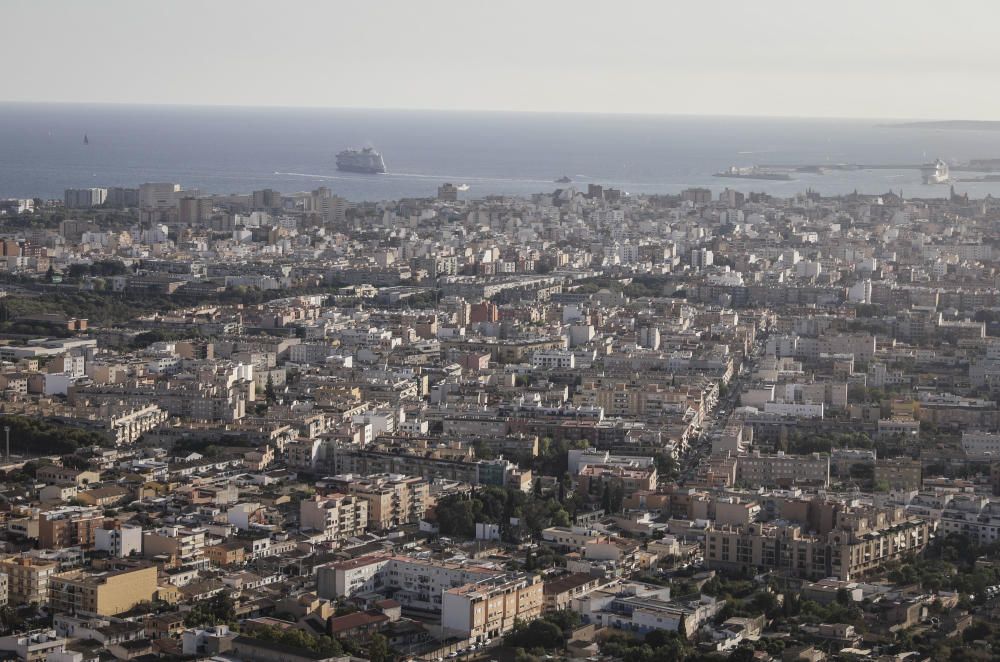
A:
[185,544]
[337,516]
[103,593]
[69,526]
[860,544]
[28,579]
[594,477]
[415,583]
[898,473]
[766,470]
[474,601]
[118,539]
[393,499]
[490,608]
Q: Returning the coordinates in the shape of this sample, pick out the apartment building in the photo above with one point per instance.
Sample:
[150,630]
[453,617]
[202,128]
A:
[570,539]
[413,582]
[34,646]
[862,542]
[181,543]
[766,470]
[898,473]
[474,601]
[973,516]
[397,461]
[981,444]
[28,579]
[118,539]
[51,474]
[393,499]
[336,516]
[631,398]
[69,526]
[489,608]
[593,478]
[230,553]
[103,592]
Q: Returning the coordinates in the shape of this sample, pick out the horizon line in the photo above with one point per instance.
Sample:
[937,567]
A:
[484,111]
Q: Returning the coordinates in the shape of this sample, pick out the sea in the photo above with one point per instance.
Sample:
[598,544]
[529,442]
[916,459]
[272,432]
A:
[238,150]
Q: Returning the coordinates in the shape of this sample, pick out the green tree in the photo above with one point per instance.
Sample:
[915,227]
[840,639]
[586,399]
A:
[742,654]
[269,393]
[540,633]
[606,498]
[378,648]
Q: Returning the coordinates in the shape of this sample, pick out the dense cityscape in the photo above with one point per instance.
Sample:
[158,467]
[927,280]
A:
[580,425]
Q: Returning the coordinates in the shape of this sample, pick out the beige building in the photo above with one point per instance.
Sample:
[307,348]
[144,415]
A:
[51,474]
[103,593]
[182,543]
[392,499]
[594,477]
[860,543]
[337,516]
[560,592]
[899,473]
[28,579]
[620,398]
[229,553]
[765,470]
[489,608]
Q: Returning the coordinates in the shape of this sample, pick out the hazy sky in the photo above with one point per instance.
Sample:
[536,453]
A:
[843,58]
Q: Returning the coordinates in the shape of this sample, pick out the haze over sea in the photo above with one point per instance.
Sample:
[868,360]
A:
[236,150]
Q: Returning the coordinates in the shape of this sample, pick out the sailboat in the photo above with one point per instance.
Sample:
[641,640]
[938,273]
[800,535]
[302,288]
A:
[86,141]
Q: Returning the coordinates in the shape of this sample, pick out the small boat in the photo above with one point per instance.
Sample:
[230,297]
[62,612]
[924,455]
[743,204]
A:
[86,140]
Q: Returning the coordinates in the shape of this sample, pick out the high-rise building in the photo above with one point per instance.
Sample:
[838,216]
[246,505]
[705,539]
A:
[194,210]
[448,192]
[265,200]
[158,195]
[122,197]
[84,198]
[701,258]
[699,196]
[331,208]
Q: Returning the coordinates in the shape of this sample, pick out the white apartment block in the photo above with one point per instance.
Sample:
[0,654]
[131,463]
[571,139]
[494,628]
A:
[981,444]
[121,541]
[553,358]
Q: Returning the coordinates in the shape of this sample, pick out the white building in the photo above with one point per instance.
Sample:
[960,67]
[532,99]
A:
[980,444]
[796,410]
[553,358]
[119,542]
[336,516]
